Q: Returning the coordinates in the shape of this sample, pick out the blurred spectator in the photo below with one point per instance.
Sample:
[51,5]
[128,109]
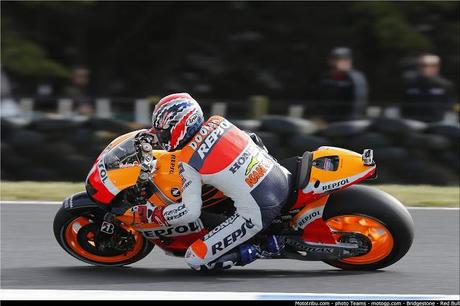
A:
[342,91]
[427,96]
[8,107]
[78,90]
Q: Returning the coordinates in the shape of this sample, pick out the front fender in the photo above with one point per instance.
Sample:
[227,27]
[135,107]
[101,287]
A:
[78,201]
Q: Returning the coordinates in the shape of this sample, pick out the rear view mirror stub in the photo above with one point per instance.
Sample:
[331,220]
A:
[368,157]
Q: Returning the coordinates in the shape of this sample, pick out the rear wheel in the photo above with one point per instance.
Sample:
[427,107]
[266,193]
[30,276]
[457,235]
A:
[376,215]
[76,234]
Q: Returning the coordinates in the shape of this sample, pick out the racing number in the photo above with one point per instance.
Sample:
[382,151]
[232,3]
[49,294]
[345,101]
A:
[107,227]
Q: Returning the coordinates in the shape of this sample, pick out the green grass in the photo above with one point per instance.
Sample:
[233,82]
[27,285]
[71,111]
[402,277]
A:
[52,191]
[410,195]
[424,195]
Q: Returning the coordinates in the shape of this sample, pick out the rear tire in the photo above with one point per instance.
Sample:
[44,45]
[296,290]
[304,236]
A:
[64,217]
[376,204]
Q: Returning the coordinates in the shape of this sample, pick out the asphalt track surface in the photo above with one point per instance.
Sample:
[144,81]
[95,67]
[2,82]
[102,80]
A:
[32,259]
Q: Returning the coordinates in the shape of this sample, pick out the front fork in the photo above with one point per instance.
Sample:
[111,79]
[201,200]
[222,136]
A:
[112,235]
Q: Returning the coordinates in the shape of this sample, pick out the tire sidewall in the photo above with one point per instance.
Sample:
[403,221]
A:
[64,217]
[380,206]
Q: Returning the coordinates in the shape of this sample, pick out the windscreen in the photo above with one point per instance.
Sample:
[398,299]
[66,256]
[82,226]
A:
[123,155]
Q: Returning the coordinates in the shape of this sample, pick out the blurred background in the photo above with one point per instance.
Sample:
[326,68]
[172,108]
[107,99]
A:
[381,75]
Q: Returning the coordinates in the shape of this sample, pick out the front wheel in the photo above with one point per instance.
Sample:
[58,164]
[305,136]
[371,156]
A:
[378,216]
[75,231]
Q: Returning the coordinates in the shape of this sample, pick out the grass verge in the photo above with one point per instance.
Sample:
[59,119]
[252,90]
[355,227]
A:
[410,195]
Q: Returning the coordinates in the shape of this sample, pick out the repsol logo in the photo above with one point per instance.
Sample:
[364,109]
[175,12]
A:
[241,160]
[102,170]
[310,216]
[207,137]
[174,231]
[172,164]
[232,238]
[334,185]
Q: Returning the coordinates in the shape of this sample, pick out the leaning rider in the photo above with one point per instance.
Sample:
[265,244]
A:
[218,153]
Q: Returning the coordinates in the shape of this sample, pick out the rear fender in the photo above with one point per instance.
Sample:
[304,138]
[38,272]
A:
[310,221]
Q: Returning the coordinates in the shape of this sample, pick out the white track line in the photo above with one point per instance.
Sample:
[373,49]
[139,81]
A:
[59,203]
[32,202]
[19,294]
[432,208]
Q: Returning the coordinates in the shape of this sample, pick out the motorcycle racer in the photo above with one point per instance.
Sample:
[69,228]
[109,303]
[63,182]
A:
[218,153]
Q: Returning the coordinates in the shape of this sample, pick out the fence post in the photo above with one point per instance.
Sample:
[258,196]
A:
[392,112]
[65,106]
[450,117]
[103,108]
[219,109]
[373,111]
[259,106]
[27,108]
[142,112]
[296,111]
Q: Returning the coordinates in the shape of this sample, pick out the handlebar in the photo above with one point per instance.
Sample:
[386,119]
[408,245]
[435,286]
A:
[147,162]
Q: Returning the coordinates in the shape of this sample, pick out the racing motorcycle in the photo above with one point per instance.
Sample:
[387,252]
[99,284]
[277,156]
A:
[326,218]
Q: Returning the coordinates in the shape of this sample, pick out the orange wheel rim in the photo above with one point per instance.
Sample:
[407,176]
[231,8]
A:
[380,237]
[71,233]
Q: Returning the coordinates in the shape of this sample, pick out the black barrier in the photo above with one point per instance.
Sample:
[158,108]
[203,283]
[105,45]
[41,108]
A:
[406,151]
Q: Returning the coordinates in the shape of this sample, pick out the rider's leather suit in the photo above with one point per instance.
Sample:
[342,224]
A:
[224,156]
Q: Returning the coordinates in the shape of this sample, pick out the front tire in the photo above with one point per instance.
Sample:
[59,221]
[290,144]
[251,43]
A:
[382,211]
[73,230]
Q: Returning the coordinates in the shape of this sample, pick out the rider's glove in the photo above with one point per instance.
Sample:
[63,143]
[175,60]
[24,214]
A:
[148,214]
[148,136]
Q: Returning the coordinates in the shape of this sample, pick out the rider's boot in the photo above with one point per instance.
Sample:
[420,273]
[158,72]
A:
[248,252]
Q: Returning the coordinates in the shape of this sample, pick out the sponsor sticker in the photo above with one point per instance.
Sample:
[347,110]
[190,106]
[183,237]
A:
[175,192]
[242,160]
[208,136]
[230,239]
[102,170]
[221,226]
[256,170]
[175,213]
[174,231]
[334,185]
[309,216]
[172,164]
[107,228]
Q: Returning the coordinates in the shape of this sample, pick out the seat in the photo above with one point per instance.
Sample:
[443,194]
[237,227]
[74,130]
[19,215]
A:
[300,168]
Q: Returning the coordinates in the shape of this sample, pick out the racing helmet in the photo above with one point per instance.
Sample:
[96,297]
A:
[175,120]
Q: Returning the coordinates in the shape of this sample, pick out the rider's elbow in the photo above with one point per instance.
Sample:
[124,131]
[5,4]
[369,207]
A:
[193,215]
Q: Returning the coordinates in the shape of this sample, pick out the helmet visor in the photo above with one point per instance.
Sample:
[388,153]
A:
[163,136]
